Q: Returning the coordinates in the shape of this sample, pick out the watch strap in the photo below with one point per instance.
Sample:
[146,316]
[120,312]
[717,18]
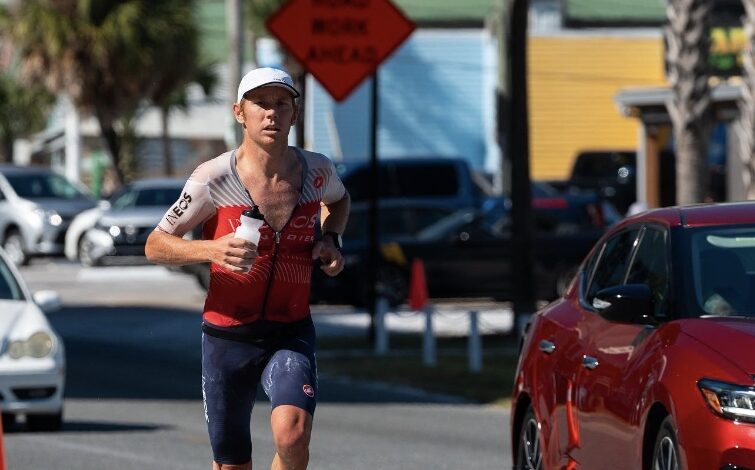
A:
[336,237]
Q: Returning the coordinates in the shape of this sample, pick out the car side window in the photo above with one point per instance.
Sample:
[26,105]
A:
[613,263]
[589,267]
[650,267]
[126,199]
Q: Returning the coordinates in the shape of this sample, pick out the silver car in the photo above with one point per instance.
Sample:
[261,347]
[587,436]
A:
[36,207]
[120,230]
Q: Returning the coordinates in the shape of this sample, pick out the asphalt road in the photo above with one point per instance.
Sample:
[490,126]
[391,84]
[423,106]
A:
[133,396]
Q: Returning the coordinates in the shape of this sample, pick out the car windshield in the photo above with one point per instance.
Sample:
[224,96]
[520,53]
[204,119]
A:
[723,270]
[44,186]
[147,197]
[9,288]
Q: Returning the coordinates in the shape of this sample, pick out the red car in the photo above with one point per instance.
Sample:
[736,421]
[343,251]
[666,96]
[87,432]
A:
[648,360]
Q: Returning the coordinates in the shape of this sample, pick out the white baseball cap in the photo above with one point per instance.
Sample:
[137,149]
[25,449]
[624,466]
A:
[266,76]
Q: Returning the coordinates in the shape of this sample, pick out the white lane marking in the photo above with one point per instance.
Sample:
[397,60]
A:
[109,274]
[103,451]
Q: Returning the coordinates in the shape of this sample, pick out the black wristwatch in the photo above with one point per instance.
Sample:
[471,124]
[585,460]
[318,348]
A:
[336,237]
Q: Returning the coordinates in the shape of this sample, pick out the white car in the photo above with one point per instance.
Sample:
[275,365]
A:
[32,355]
[36,207]
[79,226]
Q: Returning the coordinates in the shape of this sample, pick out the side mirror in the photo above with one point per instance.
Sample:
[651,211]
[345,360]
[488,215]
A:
[629,303]
[48,300]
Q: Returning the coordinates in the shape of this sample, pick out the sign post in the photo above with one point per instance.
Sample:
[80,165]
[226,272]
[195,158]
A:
[341,43]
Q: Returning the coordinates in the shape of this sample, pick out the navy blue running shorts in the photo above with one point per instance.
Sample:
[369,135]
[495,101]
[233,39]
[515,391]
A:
[231,370]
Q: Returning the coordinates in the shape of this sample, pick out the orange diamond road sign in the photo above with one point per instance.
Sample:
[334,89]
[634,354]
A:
[340,42]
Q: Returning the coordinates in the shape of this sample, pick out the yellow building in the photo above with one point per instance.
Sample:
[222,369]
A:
[573,80]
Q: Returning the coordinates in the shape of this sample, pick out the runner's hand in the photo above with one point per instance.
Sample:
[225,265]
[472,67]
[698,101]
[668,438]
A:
[234,254]
[330,256]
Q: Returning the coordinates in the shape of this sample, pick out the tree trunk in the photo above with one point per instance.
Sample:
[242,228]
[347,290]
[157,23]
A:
[167,152]
[113,143]
[746,126]
[687,49]
[7,156]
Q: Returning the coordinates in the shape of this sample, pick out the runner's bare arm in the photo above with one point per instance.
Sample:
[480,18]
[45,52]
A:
[335,215]
[233,254]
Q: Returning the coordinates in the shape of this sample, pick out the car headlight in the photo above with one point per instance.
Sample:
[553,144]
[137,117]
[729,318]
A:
[114,230]
[731,401]
[38,345]
[50,216]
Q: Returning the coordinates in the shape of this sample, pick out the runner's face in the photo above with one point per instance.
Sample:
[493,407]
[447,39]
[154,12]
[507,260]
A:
[268,114]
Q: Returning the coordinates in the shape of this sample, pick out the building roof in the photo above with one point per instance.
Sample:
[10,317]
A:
[649,103]
[454,12]
[638,12]
[610,12]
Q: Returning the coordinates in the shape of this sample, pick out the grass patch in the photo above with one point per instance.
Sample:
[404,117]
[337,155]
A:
[353,358]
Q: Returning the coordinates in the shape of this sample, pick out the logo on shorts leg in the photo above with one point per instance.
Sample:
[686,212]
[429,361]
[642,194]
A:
[309,391]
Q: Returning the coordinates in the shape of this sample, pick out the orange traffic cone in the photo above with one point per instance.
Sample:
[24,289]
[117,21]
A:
[418,286]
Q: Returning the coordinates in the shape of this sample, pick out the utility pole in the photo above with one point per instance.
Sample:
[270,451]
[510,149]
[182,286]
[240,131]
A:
[518,153]
[234,20]
[500,27]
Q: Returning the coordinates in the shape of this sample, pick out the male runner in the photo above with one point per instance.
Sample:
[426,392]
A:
[256,323]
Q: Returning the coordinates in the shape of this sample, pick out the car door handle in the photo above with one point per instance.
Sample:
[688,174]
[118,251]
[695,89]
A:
[547,347]
[589,362]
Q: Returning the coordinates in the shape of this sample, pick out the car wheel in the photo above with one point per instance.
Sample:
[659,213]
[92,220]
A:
[529,454]
[14,248]
[45,422]
[85,252]
[666,452]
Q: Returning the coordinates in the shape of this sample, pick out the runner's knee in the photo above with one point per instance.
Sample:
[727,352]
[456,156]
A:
[291,432]
[291,440]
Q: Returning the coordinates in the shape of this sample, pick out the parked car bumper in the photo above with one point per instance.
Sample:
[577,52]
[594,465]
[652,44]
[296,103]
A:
[32,385]
[105,249]
[711,442]
[48,240]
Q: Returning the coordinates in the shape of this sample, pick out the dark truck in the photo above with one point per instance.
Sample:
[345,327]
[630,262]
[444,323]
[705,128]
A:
[464,241]
[613,175]
[610,173]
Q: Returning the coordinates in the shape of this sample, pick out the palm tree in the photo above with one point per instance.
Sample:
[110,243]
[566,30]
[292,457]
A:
[107,55]
[23,111]
[687,36]
[177,98]
[746,126]
[258,11]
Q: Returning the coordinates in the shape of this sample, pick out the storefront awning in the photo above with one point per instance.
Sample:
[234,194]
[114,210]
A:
[649,104]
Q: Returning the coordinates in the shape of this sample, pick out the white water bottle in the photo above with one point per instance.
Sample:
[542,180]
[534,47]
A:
[251,221]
